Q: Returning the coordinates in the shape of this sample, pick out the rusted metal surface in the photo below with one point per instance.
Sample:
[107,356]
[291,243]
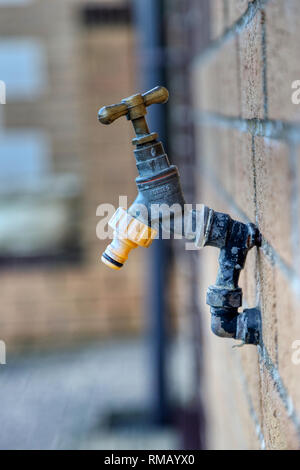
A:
[234,239]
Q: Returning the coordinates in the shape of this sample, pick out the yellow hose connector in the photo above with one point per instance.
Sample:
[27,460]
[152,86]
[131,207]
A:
[129,233]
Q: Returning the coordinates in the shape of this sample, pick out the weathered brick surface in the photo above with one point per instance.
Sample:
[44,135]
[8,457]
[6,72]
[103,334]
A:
[288,333]
[244,174]
[278,429]
[268,293]
[283,36]
[256,176]
[219,77]
[273,194]
[228,408]
[251,69]
[220,155]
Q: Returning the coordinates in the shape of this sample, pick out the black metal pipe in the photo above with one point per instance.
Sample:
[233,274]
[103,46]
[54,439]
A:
[148,18]
[234,239]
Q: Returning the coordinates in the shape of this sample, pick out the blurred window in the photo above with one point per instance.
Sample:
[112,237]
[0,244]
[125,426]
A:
[37,208]
[24,158]
[22,68]
[12,3]
[93,14]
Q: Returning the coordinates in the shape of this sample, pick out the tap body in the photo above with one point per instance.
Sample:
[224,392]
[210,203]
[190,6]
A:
[159,188]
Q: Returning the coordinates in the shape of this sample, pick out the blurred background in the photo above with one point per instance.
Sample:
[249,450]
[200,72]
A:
[98,359]
[95,358]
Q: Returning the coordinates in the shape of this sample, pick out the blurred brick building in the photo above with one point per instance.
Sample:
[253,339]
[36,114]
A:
[233,131]
[61,61]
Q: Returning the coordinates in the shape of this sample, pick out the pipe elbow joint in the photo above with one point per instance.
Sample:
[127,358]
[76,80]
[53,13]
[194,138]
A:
[229,323]
[234,239]
[223,322]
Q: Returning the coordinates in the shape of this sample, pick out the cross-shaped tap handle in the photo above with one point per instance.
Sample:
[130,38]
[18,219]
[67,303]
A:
[134,108]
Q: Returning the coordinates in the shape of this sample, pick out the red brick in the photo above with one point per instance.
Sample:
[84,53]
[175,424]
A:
[288,328]
[273,192]
[267,297]
[251,69]
[283,68]
[216,78]
[278,429]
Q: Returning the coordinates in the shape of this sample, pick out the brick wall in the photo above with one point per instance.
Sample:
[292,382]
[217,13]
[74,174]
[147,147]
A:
[248,154]
[86,68]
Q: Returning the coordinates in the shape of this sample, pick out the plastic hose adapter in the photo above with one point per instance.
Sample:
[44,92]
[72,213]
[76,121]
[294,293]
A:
[129,233]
